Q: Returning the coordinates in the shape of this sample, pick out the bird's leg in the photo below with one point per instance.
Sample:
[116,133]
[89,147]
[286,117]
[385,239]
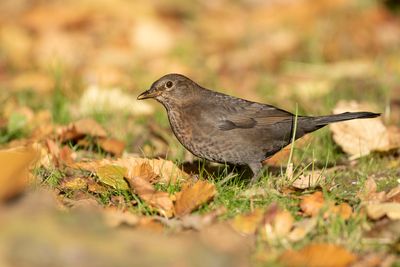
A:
[256,168]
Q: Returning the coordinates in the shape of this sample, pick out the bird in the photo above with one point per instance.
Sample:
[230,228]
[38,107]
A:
[231,130]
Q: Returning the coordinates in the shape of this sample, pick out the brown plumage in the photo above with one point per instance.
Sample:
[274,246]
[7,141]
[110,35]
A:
[227,129]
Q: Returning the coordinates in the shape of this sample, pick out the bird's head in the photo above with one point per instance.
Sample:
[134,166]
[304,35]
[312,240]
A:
[170,88]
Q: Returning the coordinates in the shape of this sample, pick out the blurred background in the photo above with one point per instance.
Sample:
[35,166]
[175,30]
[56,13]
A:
[78,58]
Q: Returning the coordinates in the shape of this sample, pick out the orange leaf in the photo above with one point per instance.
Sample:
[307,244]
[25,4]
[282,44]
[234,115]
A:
[111,145]
[159,200]
[311,204]
[145,171]
[315,255]
[248,223]
[191,197]
[343,210]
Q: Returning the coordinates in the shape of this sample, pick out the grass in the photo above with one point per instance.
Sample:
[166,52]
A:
[319,152]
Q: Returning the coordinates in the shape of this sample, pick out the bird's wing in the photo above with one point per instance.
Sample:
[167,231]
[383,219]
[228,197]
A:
[245,114]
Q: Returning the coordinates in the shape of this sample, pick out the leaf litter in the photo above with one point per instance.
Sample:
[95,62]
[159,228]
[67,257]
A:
[104,62]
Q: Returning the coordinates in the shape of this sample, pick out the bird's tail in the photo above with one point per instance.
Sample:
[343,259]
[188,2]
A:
[324,120]
[311,124]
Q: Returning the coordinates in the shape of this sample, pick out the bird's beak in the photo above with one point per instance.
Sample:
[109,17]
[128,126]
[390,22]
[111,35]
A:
[151,93]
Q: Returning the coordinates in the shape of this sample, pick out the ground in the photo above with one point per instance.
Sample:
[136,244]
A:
[93,177]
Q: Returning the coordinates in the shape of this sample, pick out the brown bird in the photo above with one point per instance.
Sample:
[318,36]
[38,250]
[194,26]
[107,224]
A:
[227,129]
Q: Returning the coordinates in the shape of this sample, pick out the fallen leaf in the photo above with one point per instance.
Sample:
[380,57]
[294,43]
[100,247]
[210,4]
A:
[359,137]
[144,171]
[115,217]
[81,128]
[278,226]
[343,210]
[279,158]
[159,200]
[393,195]
[111,145]
[248,223]
[165,169]
[309,180]
[59,156]
[376,211]
[74,183]
[369,193]
[312,204]
[14,174]
[96,188]
[193,196]
[113,175]
[375,259]
[315,255]
[302,228]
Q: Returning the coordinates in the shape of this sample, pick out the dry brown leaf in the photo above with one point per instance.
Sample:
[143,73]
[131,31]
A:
[144,171]
[111,145]
[393,195]
[80,129]
[376,211]
[193,196]
[369,194]
[165,169]
[309,180]
[14,174]
[159,200]
[248,223]
[375,259]
[312,204]
[60,157]
[359,137]
[315,255]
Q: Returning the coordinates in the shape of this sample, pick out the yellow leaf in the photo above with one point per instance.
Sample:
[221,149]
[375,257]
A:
[75,183]
[14,174]
[113,176]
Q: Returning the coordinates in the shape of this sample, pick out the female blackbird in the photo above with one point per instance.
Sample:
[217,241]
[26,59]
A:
[227,129]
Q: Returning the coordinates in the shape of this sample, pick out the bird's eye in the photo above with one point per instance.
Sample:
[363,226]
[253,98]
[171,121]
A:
[169,84]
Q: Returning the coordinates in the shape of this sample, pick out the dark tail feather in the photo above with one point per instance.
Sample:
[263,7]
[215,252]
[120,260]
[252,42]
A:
[311,124]
[324,120]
